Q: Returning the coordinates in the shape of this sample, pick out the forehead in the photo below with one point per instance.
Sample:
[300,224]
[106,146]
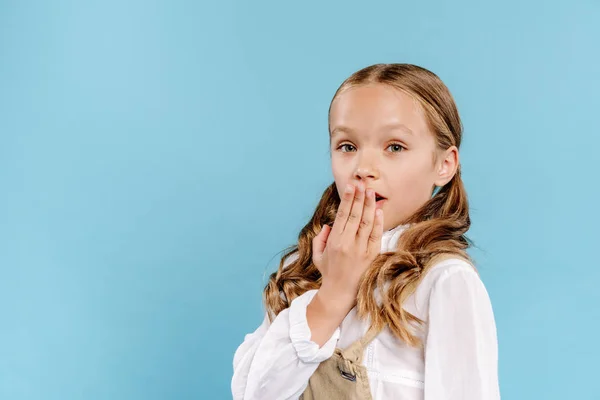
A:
[374,108]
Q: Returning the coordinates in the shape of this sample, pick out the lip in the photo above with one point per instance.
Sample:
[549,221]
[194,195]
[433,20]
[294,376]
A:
[379,195]
[379,203]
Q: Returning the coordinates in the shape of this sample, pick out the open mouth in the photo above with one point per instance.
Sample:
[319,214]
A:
[379,197]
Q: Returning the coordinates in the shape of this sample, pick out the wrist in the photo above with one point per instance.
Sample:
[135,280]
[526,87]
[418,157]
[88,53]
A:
[335,302]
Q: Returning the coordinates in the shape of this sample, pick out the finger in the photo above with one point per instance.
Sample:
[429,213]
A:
[320,241]
[367,220]
[374,246]
[355,215]
[343,211]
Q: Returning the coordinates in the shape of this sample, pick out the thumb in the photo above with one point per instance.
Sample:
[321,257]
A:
[320,241]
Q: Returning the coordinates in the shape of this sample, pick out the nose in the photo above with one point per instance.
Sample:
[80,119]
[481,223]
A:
[363,173]
[365,170]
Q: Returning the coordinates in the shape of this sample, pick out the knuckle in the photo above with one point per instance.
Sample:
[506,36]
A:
[337,246]
[352,217]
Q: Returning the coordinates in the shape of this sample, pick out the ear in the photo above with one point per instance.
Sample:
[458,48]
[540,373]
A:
[446,166]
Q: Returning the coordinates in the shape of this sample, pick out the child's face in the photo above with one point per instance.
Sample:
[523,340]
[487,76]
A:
[379,136]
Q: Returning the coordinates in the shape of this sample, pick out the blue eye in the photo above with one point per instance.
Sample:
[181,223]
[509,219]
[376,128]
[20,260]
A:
[397,146]
[344,146]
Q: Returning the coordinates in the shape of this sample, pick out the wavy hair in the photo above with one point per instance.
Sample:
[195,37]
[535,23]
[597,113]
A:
[435,229]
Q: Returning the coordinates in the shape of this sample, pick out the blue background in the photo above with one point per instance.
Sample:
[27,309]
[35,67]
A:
[155,157]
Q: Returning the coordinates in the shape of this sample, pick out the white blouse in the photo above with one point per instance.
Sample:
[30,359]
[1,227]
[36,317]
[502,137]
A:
[459,359]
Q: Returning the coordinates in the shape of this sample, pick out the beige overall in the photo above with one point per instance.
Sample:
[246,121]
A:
[342,376]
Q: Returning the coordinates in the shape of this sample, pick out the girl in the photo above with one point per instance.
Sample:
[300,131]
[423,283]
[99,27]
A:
[379,299]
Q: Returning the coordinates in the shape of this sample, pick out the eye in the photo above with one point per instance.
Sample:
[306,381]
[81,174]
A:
[345,146]
[397,147]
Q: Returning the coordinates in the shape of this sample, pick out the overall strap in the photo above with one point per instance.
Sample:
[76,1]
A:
[354,352]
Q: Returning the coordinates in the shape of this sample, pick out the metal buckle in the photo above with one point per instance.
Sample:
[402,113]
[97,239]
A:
[348,376]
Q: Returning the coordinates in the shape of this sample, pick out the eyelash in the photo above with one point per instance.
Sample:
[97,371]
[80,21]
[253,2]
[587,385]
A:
[393,144]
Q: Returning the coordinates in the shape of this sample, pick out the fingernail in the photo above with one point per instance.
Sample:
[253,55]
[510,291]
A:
[348,188]
[369,192]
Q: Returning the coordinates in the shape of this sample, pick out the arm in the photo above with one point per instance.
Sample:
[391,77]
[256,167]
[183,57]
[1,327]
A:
[326,312]
[278,359]
[461,348]
[242,359]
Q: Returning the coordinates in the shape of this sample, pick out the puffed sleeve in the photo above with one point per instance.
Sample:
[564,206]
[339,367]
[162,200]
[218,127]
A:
[277,360]
[461,347]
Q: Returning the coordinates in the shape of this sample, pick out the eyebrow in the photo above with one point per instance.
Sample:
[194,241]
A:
[402,127]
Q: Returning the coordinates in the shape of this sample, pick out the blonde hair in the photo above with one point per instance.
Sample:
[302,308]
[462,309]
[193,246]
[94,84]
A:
[437,228]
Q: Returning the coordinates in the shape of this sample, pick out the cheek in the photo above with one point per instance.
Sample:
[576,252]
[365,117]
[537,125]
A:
[339,177]
[413,187]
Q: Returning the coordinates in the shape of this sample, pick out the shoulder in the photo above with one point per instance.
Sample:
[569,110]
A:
[444,267]
[451,277]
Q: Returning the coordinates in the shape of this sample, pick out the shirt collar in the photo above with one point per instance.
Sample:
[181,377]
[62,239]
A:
[389,239]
